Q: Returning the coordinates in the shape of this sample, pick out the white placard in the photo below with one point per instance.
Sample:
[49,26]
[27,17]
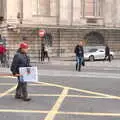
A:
[29,74]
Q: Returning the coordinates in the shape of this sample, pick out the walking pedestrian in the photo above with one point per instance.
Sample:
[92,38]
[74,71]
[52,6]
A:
[42,52]
[46,52]
[107,53]
[79,51]
[21,59]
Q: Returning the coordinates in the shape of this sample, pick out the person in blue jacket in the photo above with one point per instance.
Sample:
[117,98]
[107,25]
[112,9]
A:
[21,59]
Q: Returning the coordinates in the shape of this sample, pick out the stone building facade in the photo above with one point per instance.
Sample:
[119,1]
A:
[66,22]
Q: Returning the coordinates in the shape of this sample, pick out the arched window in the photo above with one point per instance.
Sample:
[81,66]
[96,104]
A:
[94,38]
[41,7]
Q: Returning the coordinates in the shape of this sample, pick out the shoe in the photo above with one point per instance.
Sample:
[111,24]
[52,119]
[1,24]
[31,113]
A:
[26,99]
[18,97]
[76,67]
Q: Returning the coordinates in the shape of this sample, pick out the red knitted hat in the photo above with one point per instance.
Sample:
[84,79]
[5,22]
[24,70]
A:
[24,45]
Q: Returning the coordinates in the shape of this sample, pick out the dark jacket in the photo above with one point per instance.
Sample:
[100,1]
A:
[79,51]
[19,60]
[107,51]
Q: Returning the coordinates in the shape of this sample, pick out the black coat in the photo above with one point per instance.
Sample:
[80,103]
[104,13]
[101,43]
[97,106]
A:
[19,60]
[107,51]
[79,51]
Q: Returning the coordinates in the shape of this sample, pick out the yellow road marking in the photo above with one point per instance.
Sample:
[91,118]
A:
[51,115]
[11,84]
[7,84]
[91,114]
[61,113]
[69,96]
[75,89]
[7,92]
[7,77]
[83,91]
[22,111]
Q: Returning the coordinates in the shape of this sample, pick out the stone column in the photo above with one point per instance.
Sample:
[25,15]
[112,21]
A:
[77,13]
[108,6]
[1,7]
[53,7]
[27,9]
[117,13]
[44,7]
[12,10]
[65,12]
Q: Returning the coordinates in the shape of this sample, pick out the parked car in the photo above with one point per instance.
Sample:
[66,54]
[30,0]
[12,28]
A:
[97,54]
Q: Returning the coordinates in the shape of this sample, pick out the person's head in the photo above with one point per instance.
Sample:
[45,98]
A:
[106,45]
[81,43]
[24,47]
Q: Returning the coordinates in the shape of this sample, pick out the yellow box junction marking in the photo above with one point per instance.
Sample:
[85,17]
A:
[31,84]
[91,114]
[54,110]
[69,96]
[22,111]
[61,113]
[8,91]
[51,115]
[83,91]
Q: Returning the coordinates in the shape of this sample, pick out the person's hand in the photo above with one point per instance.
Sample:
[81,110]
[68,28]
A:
[17,75]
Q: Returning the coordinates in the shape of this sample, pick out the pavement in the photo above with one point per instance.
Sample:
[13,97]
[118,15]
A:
[64,94]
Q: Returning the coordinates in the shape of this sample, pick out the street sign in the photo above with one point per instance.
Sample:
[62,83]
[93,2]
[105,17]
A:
[41,33]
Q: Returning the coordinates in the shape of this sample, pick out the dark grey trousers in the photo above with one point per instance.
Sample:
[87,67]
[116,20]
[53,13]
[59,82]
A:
[21,90]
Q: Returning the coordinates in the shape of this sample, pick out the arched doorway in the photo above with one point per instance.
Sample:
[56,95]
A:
[94,38]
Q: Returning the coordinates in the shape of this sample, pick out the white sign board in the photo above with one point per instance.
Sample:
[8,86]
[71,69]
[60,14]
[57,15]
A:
[28,74]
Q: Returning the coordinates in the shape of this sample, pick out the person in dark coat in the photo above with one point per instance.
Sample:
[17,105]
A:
[79,51]
[42,52]
[21,60]
[107,53]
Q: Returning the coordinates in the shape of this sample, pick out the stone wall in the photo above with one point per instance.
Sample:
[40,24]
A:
[63,40]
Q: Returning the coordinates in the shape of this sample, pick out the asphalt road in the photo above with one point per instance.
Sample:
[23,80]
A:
[64,94]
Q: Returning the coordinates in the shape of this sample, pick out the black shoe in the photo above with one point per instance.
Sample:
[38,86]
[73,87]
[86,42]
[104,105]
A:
[76,67]
[26,99]
[18,97]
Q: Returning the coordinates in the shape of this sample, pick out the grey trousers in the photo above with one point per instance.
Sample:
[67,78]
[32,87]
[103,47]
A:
[21,90]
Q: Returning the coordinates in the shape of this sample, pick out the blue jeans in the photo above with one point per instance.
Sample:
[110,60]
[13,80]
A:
[79,60]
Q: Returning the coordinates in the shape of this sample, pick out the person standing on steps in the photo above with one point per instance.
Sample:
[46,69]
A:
[21,60]
[79,52]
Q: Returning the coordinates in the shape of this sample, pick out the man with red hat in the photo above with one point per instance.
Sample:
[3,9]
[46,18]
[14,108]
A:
[21,60]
